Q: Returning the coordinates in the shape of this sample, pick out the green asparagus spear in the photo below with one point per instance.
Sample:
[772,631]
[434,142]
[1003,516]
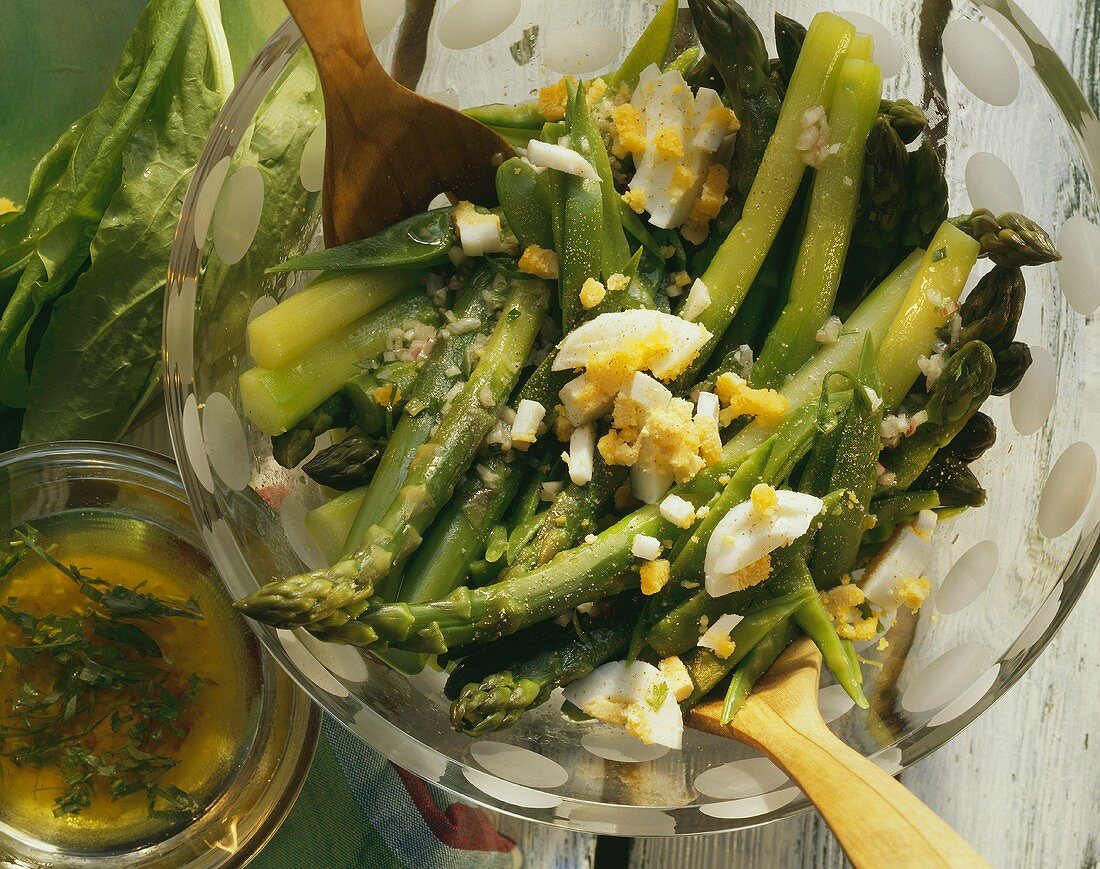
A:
[1009,239]
[524,116]
[379,396]
[976,437]
[991,312]
[738,260]
[275,400]
[583,250]
[954,483]
[437,379]
[943,273]
[347,465]
[789,36]
[733,42]
[327,305]
[927,188]
[495,701]
[876,236]
[458,536]
[330,523]
[707,670]
[1012,364]
[890,510]
[335,595]
[754,665]
[956,396]
[586,140]
[906,119]
[292,447]
[828,227]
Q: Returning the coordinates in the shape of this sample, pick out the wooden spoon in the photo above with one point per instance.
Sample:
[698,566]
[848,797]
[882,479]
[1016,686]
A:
[388,151]
[876,819]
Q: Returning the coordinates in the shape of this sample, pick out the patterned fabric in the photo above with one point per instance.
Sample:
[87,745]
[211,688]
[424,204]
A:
[359,810]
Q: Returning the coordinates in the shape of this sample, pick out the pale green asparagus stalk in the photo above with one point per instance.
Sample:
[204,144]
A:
[334,595]
[829,223]
[735,265]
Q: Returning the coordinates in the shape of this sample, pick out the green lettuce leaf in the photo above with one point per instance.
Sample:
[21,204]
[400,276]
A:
[100,353]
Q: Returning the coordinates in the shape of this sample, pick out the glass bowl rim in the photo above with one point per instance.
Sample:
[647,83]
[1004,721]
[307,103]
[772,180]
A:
[154,471]
[407,751]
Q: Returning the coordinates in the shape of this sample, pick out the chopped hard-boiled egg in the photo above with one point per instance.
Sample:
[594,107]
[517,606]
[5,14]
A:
[717,636]
[634,696]
[672,135]
[740,399]
[654,575]
[592,293]
[678,511]
[662,343]
[551,156]
[539,261]
[747,533]
[896,576]
[697,301]
[525,427]
[582,447]
[479,233]
[677,676]
[645,547]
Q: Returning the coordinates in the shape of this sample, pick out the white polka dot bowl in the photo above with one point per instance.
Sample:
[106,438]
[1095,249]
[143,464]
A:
[1018,134]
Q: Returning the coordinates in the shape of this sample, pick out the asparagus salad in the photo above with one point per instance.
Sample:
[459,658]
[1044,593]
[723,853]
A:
[701,383]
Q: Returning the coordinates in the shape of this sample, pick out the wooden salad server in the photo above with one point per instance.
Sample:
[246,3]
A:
[388,151]
[877,820]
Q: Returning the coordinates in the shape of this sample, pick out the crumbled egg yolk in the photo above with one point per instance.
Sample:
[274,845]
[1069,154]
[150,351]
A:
[683,179]
[654,575]
[677,676]
[563,429]
[592,293]
[718,641]
[681,279]
[617,283]
[667,438]
[634,716]
[7,206]
[913,592]
[552,101]
[595,92]
[711,198]
[752,575]
[628,132]
[843,606]
[764,500]
[540,262]
[387,395]
[635,199]
[668,143]
[740,399]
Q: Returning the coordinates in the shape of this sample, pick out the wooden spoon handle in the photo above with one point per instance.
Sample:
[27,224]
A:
[875,818]
[334,32]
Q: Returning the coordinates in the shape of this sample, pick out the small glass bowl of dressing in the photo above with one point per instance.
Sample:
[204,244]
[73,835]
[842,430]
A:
[246,734]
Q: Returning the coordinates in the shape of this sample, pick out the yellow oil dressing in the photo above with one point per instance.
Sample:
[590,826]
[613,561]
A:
[219,723]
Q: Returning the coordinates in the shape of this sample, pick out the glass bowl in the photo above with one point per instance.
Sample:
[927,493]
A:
[263,779]
[1018,136]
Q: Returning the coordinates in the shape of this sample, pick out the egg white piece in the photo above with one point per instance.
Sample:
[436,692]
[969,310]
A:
[551,156]
[666,103]
[634,696]
[744,535]
[610,330]
[907,555]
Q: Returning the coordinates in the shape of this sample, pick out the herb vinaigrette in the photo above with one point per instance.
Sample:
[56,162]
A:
[128,689]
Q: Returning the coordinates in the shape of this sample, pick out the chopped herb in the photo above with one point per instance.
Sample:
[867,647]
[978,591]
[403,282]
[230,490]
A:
[94,672]
[938,254]
[657,696]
